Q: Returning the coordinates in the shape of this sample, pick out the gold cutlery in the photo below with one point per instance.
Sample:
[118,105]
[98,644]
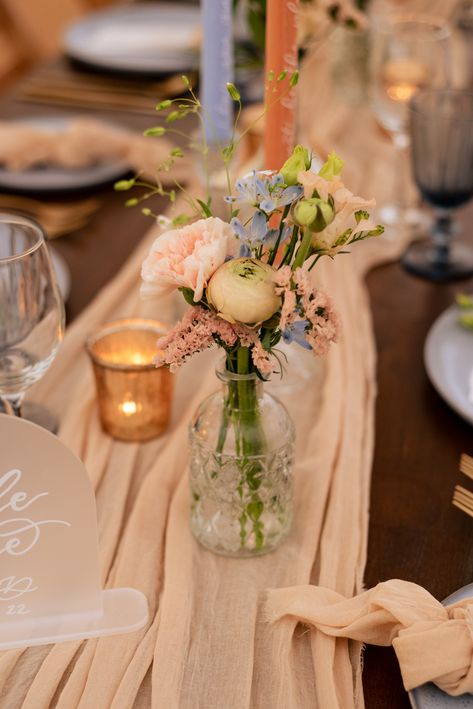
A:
[463,499]
[57,218]
[466,465]
[93,91]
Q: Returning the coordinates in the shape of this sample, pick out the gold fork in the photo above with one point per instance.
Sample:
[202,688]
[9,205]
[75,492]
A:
[57,218]
[463,499]
[466,465]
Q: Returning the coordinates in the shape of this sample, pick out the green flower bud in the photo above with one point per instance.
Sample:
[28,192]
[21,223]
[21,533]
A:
[298,162]
[332,167]
[313,214]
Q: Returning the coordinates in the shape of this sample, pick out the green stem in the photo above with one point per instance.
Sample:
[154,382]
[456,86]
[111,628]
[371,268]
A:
[274,251]
[291,247]
[303,250]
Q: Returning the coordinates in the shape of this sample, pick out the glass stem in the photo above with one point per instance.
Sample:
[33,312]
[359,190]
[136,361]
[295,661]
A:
[442,235]
[401,143]
[12,405]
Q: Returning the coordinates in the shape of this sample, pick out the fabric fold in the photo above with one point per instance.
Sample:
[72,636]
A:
[432,642]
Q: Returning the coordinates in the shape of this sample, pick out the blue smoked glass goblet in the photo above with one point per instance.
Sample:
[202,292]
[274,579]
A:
[441,123]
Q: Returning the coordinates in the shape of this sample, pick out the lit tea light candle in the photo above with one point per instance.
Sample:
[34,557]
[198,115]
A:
[134,397]
[129,408]
[403,77]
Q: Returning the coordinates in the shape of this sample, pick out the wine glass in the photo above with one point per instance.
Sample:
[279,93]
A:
[442,160]
[31,309]
[408,52]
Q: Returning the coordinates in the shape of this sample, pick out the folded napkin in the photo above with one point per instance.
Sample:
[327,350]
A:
[433,643]
[85,142]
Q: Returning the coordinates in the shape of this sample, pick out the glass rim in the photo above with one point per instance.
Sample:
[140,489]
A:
[225,375]
[123,324]
[19,219]
[441,26]
[414,106]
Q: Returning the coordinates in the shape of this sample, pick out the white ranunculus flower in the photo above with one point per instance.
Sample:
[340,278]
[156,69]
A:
[242,290]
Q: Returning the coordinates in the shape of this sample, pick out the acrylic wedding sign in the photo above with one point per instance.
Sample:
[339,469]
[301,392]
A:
[49,566]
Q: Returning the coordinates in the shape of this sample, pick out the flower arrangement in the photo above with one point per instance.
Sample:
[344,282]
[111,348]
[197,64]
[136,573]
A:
[248,281]
[249,286]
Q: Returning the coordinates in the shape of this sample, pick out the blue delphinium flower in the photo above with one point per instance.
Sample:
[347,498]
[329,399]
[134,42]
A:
[280,198]
[256,233]
[295,333]
[253,234]
[264,190]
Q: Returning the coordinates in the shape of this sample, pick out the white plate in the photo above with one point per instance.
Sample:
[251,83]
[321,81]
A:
[448,358]
[53,180]
[144,39]
[428,696]
[63,275]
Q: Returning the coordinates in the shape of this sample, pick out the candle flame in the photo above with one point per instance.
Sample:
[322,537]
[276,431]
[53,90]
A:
[129,408]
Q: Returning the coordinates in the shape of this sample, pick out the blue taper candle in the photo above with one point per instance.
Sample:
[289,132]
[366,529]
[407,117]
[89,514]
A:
[216,69]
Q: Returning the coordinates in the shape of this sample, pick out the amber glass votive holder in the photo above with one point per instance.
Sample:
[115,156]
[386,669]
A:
[134,396]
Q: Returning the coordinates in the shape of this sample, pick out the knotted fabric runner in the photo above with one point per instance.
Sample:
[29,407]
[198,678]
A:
[433,643]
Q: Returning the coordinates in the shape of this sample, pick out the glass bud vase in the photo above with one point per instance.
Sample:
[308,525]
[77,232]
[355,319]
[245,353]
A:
[242,453]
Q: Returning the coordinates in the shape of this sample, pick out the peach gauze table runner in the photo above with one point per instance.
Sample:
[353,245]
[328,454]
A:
[206,644]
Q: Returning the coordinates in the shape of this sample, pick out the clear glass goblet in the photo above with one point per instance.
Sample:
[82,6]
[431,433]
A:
[442,159]
[408,52]
[31,310]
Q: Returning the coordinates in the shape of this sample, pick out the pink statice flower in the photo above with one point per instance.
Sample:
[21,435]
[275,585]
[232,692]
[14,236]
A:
[187,257]
[282,278]
[196,332]
[316,307]
[262,359]
[246,335]
[307,315]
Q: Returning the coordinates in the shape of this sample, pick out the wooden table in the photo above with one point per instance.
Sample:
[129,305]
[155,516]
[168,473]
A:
[415,532]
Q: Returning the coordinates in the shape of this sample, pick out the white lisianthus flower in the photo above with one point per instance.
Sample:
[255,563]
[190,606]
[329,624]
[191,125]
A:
[243,291]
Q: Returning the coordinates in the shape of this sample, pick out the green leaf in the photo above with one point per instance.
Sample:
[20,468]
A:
[464,300]
[343,238]
[466,320]
[361,214]
[272,322]
[188,294]
[227,152]
[131,202]
[351,23]
[233,91]
[254,510]
[123,185]
[180,220]
[256,18]
[163,104]
[155,131]
[205,208]
[333,12]
[294,78]
[266,340]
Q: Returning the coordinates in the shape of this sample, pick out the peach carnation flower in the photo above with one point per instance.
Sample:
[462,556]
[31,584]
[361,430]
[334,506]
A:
[186,257]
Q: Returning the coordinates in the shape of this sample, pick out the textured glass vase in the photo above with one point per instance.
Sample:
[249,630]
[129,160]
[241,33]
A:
[242,452]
